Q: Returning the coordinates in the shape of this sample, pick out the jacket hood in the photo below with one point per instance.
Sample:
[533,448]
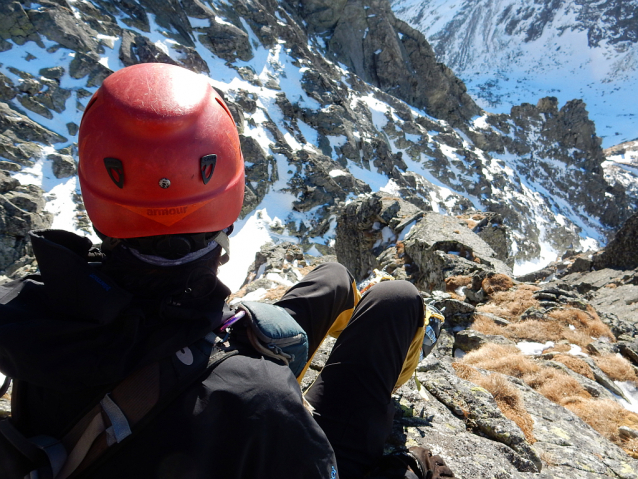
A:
[72,326]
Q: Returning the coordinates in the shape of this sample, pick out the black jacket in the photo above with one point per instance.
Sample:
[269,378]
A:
[68,335]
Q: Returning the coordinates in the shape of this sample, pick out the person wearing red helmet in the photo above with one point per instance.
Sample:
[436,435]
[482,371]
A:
[161,159]
[123,368]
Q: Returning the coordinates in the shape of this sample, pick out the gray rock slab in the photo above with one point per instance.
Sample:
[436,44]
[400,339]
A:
[621,250]
[573,447]
[424,421]
[569,448]
[585,282]
[63,166]
[477,406]
[436,231]
[621,301]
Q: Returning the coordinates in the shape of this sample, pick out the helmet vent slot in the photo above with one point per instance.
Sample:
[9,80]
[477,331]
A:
[207,167]
[115,169]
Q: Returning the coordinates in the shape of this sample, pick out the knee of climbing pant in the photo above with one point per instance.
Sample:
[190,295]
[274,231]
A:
[396,297]
[336,274]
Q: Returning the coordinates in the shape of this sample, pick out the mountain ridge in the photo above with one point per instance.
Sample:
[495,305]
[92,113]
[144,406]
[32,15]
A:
[508,53]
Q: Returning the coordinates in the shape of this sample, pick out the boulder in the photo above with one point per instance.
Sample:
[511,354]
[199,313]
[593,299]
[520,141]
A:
[31,104]
[489,226]
[621,301]
[456,312]
[58,24]
[63,165]
[196,9]
[137,17]
[17,126]
[9,166]
[52,73]
[619,327]
[629,349]
[260,171]
[367,226]
[227,41]
[139,49]
[320,180]
[72,128]
[622,251]
[54,97]
[15,24]
[8,90]
[83,65]
[21,210]
[7,182]
[171,15]
[442,246]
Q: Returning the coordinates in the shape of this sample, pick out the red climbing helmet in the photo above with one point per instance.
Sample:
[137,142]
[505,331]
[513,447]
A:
[159,154]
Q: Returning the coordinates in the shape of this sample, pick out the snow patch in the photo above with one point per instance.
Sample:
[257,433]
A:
[406,231]
[630,390]
[532,348]
[336,173]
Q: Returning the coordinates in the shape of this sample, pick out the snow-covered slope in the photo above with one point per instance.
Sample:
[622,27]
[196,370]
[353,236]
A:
[509,52]
[314,134]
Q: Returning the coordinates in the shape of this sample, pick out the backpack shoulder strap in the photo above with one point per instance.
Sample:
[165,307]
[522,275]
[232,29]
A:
[131,405]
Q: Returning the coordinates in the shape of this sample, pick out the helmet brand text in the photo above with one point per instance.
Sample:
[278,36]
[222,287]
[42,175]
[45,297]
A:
[166,211]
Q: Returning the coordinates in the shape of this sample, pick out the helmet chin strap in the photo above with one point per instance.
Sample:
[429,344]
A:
[161,261]
[152,249]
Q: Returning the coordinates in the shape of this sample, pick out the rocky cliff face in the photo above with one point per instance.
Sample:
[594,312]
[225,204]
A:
[315,135]
[388,53]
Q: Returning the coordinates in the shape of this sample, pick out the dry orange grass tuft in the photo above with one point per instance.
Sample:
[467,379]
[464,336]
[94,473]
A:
[631,447]
[583,321]
[497,283]
[502,359]
[470,223]
[604,415]
[465,371]
[455,282]
[508,399]
[555,385]
[532,330]
[630,420]
[535,330]
[616,367]
[485,325]
[512,303]
[576,365]
[510,402]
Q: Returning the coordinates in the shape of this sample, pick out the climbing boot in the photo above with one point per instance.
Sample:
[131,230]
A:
[416,463]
